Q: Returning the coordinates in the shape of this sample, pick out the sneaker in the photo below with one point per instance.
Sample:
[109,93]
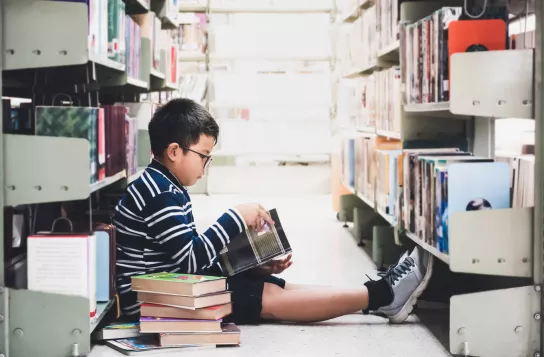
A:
[408,278]
[383,272]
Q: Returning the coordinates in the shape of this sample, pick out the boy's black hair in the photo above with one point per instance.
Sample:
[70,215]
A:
[180,121]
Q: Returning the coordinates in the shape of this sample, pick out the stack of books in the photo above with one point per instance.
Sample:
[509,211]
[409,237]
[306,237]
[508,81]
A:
[182,311]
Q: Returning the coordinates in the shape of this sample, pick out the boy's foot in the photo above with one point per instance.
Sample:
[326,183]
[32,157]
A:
[407,279]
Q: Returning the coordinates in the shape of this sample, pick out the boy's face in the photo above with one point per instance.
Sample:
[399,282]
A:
[189,167]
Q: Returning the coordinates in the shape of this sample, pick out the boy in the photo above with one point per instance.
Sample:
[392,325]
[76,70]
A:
[156,233]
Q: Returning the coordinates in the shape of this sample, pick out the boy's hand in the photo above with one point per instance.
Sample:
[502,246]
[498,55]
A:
[276,266]
[254,214]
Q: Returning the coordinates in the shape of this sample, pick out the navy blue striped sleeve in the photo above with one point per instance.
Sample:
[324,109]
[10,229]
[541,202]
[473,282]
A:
[169,222]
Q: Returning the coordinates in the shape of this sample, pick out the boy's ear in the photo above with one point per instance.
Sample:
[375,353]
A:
[173,151]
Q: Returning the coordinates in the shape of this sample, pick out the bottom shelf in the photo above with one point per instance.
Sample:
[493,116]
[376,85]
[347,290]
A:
[102,309]
[434,251]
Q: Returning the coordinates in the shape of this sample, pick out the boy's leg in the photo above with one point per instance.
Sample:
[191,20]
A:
[394,295]
[310,305]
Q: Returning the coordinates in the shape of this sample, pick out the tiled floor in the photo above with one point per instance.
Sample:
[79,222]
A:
[324,254]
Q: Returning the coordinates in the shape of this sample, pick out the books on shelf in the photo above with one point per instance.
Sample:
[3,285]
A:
[419,189]
[117,30]
[522,178]
[134,44]
[447,181]
[428,44]
[63,264]
[387,162]
[523,40]
[112,134]
[387,17]
[117,36]
[388,99]
[105,262]
[193,86]
[192,36]
[362,42]
[80,264]
[74,122]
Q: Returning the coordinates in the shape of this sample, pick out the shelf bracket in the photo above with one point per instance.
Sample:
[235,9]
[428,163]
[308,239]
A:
[43,169]
[47,325]
[498,323]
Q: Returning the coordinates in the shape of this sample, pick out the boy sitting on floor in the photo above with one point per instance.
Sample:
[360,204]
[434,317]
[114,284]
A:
[156,233]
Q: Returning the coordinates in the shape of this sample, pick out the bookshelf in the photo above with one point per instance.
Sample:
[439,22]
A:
[490,244]
[68,70]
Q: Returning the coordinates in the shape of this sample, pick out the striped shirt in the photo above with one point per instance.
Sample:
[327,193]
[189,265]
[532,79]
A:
[156,233]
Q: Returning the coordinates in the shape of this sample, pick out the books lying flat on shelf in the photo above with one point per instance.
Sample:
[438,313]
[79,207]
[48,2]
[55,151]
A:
[149,345]
[165,324]
[230,335]
[251,249]
[207,313]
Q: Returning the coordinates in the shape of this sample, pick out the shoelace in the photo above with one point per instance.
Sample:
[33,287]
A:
[396,271]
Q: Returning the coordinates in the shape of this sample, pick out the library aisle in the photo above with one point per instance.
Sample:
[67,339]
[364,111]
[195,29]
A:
[324,253]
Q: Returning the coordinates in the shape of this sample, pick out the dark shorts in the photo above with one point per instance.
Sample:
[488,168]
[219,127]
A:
[247,297]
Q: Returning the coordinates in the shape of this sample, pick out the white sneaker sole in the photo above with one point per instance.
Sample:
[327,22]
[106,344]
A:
[408,307]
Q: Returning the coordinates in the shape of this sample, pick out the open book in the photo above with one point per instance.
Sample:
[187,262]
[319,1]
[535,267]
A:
[251,249]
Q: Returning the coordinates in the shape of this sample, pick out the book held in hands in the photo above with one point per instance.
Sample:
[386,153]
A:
[251,248]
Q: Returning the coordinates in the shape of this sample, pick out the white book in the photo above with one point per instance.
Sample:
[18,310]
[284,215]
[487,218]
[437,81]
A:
[63,264]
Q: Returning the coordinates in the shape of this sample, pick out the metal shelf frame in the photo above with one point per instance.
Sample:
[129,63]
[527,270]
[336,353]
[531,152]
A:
[38,169]
[495,243]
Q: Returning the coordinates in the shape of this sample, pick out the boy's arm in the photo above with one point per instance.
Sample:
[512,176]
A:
[169,224]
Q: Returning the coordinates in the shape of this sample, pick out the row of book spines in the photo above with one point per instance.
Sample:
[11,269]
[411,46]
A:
[387,14]
[118,36]
[381,100]
[427,45]
[108,155]
[425,194]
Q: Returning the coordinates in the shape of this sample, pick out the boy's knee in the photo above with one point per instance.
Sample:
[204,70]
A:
[271,294]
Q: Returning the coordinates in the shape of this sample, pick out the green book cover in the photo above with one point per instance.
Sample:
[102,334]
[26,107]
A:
[178,278]
[71,122]
[113,29]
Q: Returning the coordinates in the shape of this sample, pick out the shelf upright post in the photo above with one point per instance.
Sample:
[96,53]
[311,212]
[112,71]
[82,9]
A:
[4,341]
[539,162]
[207,65]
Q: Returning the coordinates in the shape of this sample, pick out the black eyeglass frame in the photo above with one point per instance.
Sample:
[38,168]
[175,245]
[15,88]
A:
[208,158]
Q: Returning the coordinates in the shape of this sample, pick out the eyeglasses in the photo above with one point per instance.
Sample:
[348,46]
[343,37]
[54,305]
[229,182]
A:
[208,158]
